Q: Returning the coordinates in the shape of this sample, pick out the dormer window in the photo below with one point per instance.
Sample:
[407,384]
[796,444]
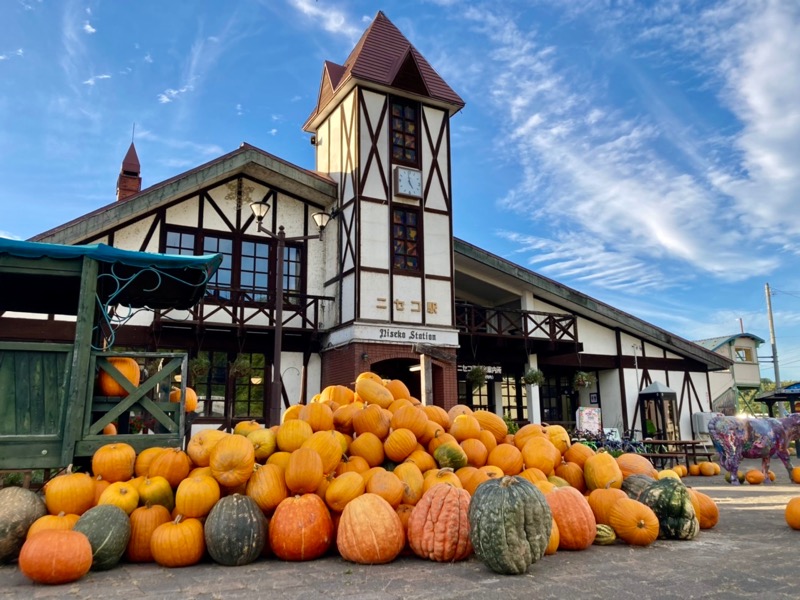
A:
[405,132]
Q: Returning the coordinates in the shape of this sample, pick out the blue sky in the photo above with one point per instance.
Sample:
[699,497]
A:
[644,153]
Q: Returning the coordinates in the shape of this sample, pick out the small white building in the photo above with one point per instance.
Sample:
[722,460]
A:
[744,374]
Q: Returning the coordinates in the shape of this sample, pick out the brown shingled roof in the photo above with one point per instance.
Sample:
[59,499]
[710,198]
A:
[130,164]
[384,56]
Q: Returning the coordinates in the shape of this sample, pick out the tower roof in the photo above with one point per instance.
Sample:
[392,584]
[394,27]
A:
[385,57]
[130,163]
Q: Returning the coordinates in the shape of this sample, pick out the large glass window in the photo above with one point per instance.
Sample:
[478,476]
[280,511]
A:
[405,239]
[255,274]
[255,271]
[219,286]
[405,132]
[515,403]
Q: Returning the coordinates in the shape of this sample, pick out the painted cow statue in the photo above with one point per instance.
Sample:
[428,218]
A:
[735,439]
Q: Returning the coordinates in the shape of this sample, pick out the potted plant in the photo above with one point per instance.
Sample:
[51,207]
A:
[533,377]
[476,376]
[583,379]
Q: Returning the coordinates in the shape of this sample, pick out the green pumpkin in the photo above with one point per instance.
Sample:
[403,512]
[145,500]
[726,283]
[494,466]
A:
[605,535]
[558,481]
[510,523]
[450,456]
[109,530]
[634,485]
[235,530]
[670,500]
[19,508]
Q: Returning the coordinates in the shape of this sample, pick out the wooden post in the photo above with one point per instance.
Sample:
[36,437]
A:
[426,379]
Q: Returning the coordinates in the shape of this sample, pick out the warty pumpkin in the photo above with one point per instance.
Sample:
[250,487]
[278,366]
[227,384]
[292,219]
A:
[670,501]
[510,524]
[369,531]
[55,556]
[19,509]
[438,528]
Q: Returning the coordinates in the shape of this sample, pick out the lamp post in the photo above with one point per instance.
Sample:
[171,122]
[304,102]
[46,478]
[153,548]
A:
[260,210]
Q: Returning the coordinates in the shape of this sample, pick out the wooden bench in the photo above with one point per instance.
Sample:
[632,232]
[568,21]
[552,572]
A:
[661,459]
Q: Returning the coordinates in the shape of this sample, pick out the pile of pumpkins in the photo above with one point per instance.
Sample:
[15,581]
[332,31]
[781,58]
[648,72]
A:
[368,471]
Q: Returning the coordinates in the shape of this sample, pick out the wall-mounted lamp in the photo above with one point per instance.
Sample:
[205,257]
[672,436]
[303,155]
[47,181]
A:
[415,368]
[364,356]
[256,380]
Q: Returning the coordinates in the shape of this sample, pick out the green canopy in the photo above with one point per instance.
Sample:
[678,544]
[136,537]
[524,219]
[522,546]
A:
[38,277]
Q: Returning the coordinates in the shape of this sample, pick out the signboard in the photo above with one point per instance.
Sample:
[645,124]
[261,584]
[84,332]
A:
[394,334]
[593,399]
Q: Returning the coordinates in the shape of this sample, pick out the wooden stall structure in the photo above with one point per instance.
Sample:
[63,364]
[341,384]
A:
[50,412]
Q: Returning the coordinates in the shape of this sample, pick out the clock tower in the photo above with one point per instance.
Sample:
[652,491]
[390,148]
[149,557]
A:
[381,131]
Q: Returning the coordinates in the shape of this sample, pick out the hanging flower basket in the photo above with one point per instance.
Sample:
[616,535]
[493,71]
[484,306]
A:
[476,376]
[533,377]
[583,380]
[199,367]
[240,367]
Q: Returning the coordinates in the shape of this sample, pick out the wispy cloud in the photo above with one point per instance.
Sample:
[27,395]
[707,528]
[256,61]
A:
[148,58]
[239,111]
[203,150]
[330,19]
[94,78]
[642,184]
[87,28]
[273,131]
[170,94]
[18,53]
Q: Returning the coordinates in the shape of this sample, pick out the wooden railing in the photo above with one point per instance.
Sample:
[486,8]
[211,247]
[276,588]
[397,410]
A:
[252,309]
[478,320]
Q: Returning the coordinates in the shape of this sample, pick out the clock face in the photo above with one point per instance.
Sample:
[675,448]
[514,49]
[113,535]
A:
[409,182]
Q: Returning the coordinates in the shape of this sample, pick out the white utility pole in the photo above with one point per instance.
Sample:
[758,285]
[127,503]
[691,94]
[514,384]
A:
[778,386]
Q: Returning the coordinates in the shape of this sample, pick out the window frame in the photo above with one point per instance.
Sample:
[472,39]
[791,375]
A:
[405,103]
[417,212]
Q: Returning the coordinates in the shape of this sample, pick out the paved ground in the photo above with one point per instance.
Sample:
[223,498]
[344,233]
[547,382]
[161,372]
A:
[751,552]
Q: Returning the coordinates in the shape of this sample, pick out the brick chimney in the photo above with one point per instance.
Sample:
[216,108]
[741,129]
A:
[129,181]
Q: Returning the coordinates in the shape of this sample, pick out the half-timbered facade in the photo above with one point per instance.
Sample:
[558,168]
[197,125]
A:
[386,287]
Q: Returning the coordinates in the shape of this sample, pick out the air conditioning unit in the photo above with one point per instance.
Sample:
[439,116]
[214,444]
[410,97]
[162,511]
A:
[700,421]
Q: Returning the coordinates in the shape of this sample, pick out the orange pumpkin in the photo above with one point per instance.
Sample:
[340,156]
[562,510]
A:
[572,474]
[301,528]
[540,452]
[246,427]
[200,445]
[440,477]
[130,371]
[327,445]
[340,394]
[555,539]
[754,477]
[173,465]
[792,513]
[398,389]
[464,427]
[368,446]
[178,543]
[422,459]
[190,403]
[319,416]
[343,489]
[374,392]
[355,464]
[602,471]
[70,493]
[708,469]
[578,453]
[437,414]
[601,501]
[476,452]
[114,462]
[232,459]
[634,522]
[705,508]
[59,521]
[304,471]
[508,457]
[492,423]
[400,444]
[292,434]
[631,463]
[526,432]
[267,486]
[144,521]
[577,526]
[388,486]
[156,490]
[370,531]
[55,556]
[120,494]
[410,417]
